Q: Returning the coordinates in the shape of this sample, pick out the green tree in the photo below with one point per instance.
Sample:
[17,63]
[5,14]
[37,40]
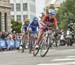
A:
[16,26]
[74,27]
[66,13]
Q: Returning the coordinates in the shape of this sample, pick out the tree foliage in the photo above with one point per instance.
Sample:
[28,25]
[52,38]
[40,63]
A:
[66,13]
[16,26]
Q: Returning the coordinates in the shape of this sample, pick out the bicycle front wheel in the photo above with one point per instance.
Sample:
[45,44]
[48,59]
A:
[35,51]
[44,47]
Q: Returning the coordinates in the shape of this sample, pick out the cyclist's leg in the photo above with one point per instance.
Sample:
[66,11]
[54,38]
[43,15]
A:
[29,35]
[23,40]
[26,40]
[36,35]
[39,36]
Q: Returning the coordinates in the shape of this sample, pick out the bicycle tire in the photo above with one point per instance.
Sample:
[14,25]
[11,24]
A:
[21,48]
[32,42]
[35,51]
[49,45]
[30,47]
[24,42]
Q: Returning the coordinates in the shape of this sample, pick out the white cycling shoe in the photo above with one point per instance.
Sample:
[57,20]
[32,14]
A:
[37,46]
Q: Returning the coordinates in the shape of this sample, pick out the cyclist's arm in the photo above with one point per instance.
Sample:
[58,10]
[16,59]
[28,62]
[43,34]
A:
[56,23]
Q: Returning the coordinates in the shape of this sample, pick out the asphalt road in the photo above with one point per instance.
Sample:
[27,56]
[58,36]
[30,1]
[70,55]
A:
[56,56]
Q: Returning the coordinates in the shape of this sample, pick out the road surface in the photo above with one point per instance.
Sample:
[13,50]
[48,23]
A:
[56,56]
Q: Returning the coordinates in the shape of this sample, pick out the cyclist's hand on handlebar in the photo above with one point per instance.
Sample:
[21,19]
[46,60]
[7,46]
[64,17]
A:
[57,28]
[33,26]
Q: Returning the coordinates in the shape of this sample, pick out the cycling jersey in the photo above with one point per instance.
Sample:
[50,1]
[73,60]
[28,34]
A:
[46,19]
[34,26]
[25,26]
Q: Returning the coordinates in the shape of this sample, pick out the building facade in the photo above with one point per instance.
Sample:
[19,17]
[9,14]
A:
[21,9]
[5,20]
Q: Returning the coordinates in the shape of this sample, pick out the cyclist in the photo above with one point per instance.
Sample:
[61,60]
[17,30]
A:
[47,20]
[34,26]
[25,29]
[26,24]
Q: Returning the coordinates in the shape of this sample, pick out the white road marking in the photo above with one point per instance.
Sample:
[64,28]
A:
[68,60]
[64,59]
[71,56]
[61,63]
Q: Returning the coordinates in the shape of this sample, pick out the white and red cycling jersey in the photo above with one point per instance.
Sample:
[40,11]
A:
[45,20]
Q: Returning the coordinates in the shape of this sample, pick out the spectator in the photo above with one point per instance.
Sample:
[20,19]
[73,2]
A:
[3,35]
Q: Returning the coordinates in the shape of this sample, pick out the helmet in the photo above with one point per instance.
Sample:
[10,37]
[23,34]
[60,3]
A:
[35,19]
[27,20]
[52,12]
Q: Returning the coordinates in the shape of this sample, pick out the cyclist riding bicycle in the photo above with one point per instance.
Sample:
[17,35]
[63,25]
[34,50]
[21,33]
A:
[33,31]
[25,30]
[47,21]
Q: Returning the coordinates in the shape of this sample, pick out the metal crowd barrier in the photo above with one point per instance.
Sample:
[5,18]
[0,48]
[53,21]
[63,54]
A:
[9,44]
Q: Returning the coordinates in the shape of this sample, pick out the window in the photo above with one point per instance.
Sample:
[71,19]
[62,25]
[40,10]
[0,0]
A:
[12,7]
[18,17]
[25,7]
[18,7]
[25,16]
[12,17]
